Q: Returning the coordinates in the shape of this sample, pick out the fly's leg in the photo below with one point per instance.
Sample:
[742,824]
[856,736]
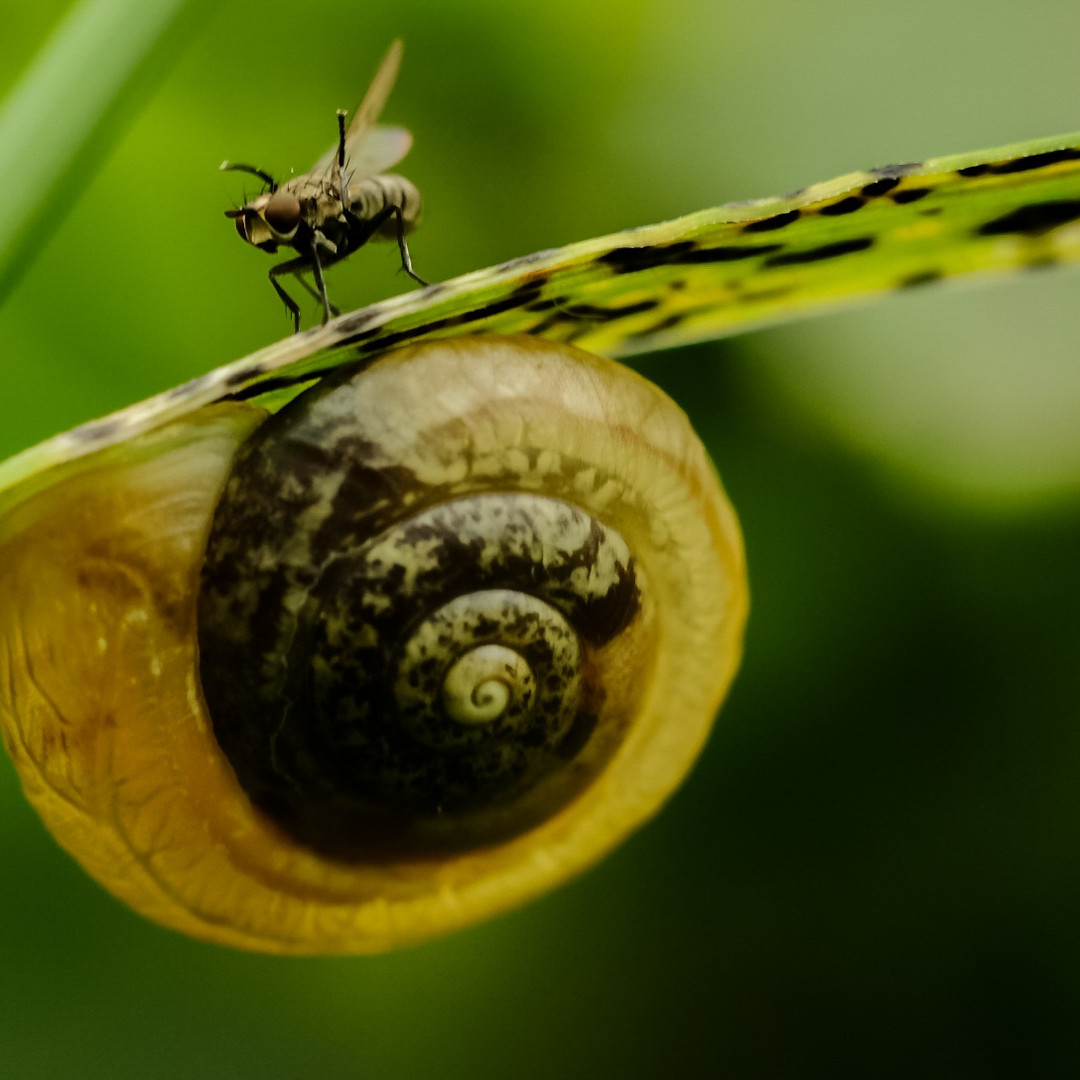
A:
[334,310]
[298,266]
[265,177]
[365,230]
[293,266]
[320,281]
[403,247]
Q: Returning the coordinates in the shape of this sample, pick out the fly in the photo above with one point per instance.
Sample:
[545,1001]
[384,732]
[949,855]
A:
[342,203]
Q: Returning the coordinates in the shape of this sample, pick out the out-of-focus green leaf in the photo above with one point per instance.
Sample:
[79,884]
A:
[59,121]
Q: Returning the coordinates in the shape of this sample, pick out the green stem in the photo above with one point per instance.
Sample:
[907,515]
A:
[58,122]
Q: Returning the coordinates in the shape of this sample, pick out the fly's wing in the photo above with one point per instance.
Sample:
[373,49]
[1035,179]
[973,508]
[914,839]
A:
[370,149]
[372,106]
[380,149]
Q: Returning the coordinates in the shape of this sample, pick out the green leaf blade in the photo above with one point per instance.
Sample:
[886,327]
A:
[707,275]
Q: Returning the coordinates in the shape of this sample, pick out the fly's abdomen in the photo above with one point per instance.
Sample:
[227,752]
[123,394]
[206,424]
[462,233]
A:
[370,196]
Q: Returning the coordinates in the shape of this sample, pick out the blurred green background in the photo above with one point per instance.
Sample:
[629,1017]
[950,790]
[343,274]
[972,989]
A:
[875,869]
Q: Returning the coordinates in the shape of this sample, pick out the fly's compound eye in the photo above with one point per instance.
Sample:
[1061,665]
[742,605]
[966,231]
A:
[282,213]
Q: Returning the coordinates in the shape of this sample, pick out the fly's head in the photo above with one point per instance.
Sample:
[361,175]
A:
[269,220]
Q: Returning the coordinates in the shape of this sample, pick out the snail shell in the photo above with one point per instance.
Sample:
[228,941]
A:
[426,642]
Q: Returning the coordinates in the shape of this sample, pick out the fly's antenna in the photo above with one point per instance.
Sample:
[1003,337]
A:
[265,177]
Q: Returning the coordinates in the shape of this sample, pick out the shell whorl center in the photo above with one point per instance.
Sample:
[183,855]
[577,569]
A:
[469,673]
[481,685]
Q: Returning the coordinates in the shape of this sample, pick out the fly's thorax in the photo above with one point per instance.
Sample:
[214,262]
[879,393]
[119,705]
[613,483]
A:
[309,203]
